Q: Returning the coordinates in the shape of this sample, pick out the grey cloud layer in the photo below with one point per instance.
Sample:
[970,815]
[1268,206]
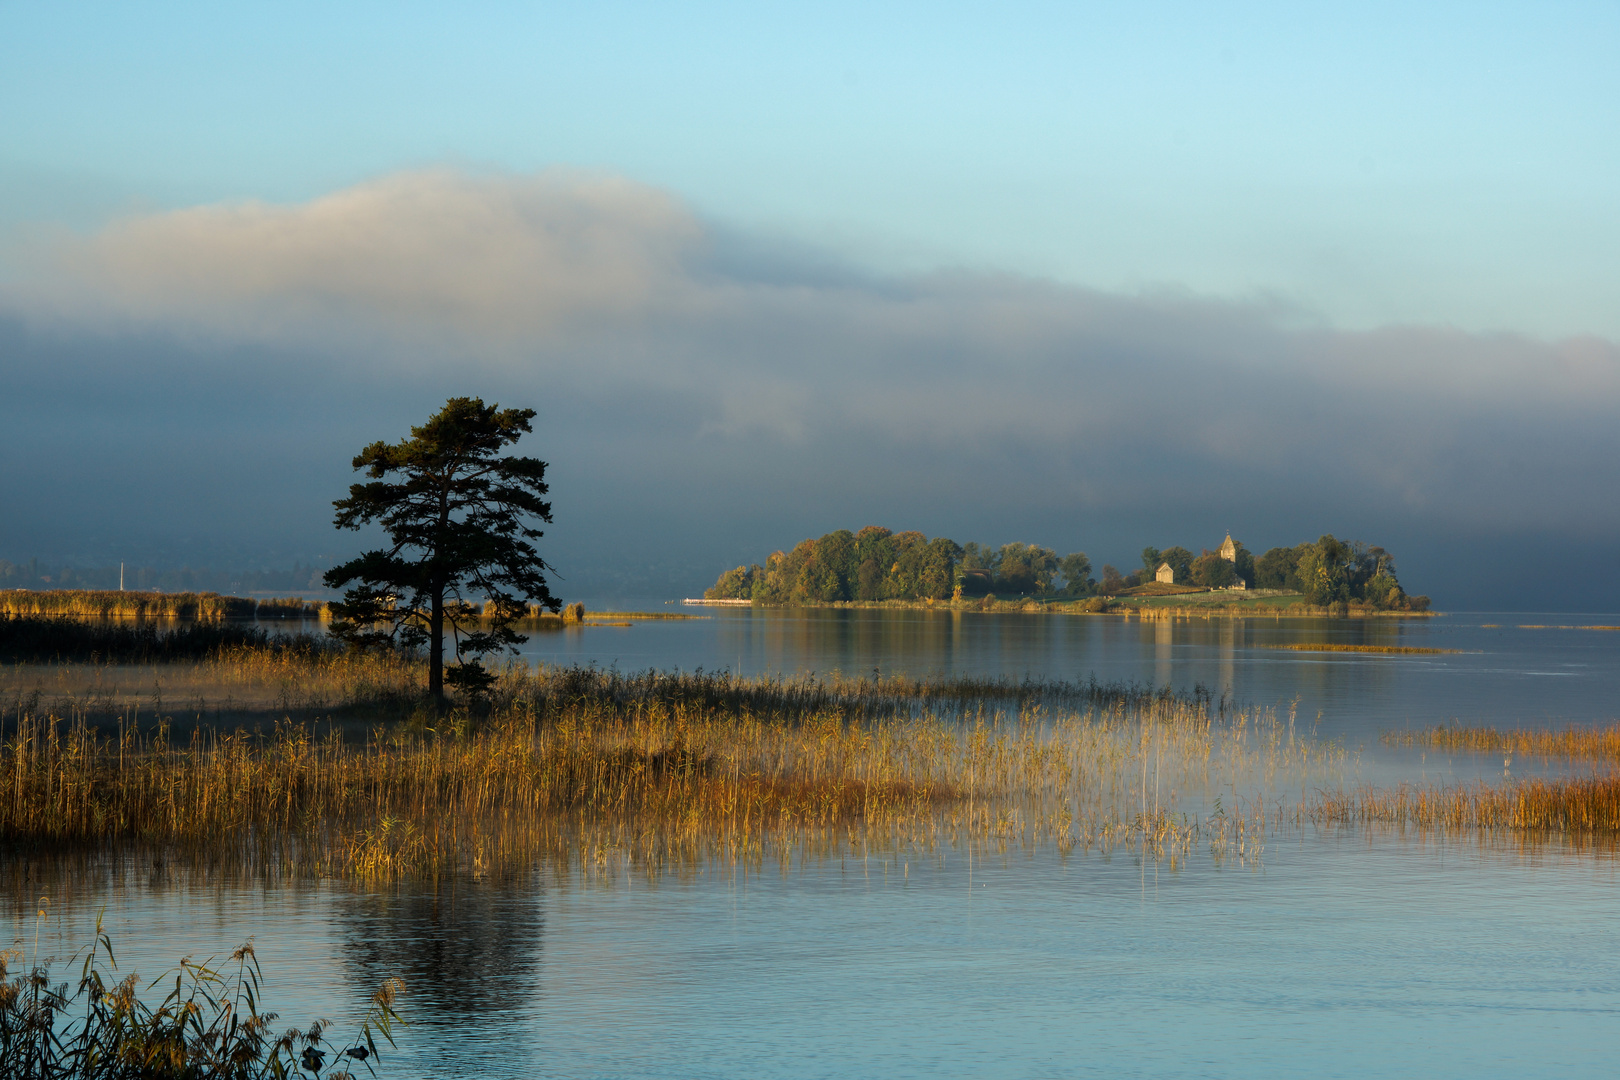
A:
[755,369]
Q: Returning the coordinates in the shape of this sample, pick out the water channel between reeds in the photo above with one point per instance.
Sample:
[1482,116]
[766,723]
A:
[1060,884]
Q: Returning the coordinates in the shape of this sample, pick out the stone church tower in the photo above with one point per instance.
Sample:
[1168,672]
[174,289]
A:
[1229,549]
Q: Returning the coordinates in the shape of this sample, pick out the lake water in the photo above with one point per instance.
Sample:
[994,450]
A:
[1509,668]
[1331,952]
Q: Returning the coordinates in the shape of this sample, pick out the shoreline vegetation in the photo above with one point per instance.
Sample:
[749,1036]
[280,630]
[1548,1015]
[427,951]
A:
[1396,650]
[305,760]
[213,607]
[1263,604]
[210,1025]
[1569,742]
[877,566]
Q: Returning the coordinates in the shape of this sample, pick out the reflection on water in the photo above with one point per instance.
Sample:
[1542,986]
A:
[1501,674]
[470,957]
[1342,954]
[1336,952]
[475,950]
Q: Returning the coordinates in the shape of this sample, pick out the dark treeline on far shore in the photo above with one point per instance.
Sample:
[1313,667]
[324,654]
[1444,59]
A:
[877,564]
[34,574]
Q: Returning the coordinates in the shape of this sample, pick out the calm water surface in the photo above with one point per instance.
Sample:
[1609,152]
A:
[1332,953]
[1510,668]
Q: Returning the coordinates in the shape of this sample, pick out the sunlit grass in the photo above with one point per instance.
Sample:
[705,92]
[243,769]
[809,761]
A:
[115,603]
[579,765]
[1576,805]
[1397,650]
[1569,742]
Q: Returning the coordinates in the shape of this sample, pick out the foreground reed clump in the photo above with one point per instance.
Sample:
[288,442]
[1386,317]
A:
[579,765]
[209,1025]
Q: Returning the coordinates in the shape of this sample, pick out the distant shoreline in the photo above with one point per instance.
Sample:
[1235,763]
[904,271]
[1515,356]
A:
[1269,604]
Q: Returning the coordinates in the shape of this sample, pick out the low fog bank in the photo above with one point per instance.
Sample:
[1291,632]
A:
[188,389]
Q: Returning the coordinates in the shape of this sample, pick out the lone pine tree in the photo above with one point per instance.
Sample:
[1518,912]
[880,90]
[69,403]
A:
[460,523]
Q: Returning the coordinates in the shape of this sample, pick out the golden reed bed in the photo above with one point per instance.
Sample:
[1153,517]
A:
[1577,805]
[582,766]
[295,762]
[1569,742]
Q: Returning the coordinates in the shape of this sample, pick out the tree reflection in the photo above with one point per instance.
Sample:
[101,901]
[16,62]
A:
[466,952]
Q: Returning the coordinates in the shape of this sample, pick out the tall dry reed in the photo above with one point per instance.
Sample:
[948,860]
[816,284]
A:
[1576,805]
[115,603]
[1569,742]
[579,765]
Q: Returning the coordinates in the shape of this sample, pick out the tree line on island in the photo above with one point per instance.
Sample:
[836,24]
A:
[878,564]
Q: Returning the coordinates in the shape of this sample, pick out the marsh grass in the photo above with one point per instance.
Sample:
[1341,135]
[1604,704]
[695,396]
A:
[112,603]
[1580,808]
[1570,742]
[65,637]
[1396,650]
[209,1025]
[1586,806]
[579,766]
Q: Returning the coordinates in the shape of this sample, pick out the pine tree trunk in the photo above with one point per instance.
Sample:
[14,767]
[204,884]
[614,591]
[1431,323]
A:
[436,645]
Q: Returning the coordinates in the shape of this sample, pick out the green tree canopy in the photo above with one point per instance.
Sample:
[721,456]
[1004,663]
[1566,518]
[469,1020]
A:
[459,519]
[1025,569]
[1075,570]
[1212,571]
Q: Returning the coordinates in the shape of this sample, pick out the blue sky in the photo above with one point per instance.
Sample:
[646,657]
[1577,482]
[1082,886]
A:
[1366,163]
[1091,277]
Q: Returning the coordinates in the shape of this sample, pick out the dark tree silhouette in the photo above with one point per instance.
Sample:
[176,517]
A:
[458,518]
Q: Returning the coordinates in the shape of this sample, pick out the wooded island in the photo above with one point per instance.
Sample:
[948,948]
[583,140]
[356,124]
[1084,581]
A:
[877,564]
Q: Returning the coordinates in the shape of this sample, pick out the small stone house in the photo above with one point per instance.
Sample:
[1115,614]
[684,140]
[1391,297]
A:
[1166,573]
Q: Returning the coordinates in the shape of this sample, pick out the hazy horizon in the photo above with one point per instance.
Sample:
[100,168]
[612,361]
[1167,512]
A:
[1070,276]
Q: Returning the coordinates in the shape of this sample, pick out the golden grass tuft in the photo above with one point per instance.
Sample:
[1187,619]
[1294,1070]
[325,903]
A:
[1569,742]
[117,604]
[1578,805]
[1396,650]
